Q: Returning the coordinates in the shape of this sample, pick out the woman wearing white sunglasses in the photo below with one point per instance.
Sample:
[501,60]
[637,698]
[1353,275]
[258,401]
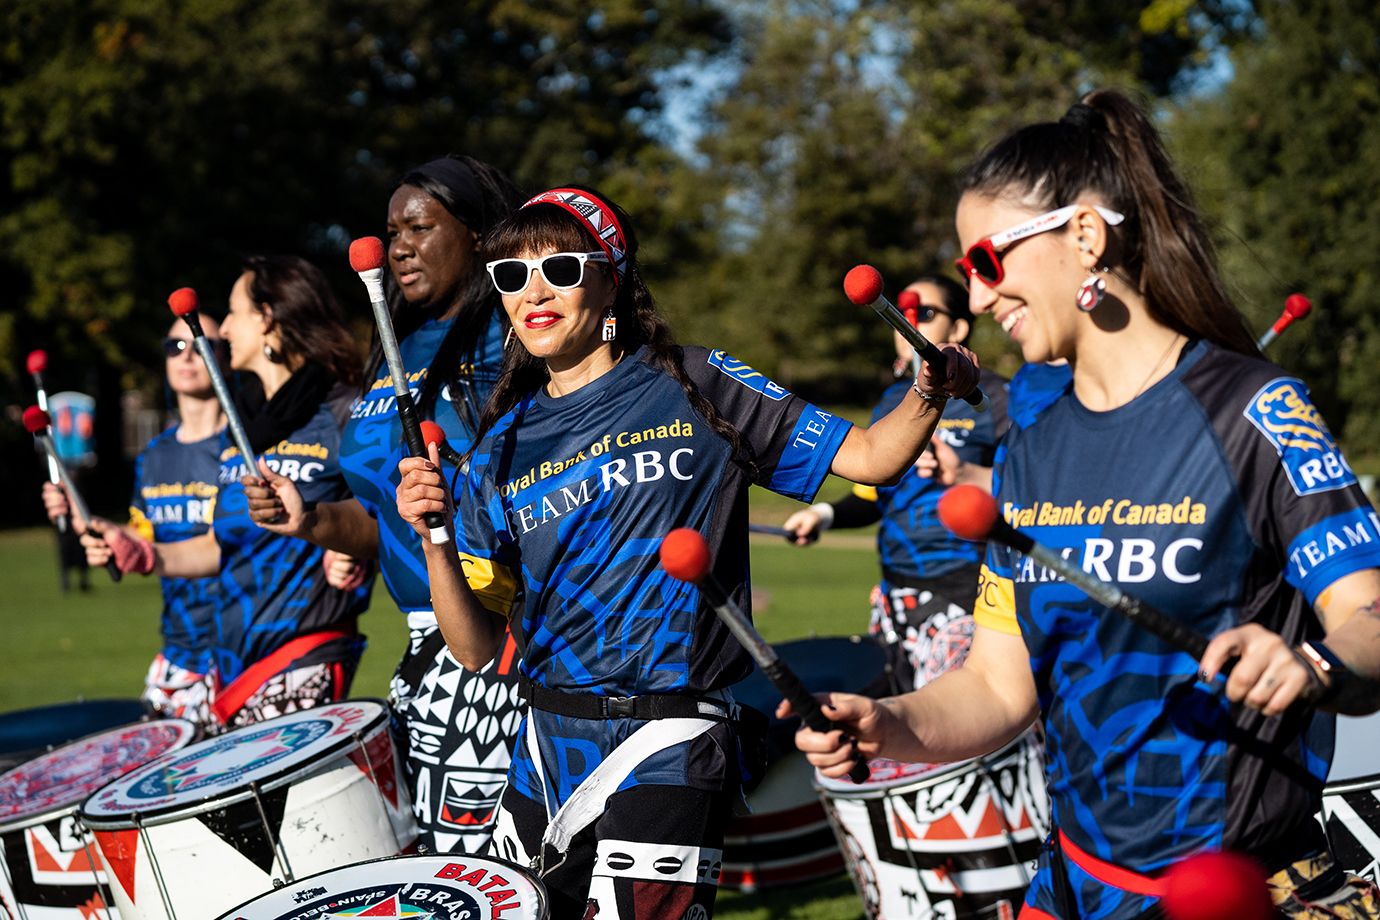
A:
[1198,478]
[601,437]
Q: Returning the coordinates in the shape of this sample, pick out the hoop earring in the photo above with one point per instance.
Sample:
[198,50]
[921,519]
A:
[610,325]
[1092,291]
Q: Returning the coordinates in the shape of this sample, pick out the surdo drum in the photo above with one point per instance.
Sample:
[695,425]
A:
[50,867]
[197,831]
[417,887]
[786,839]
[1351,798]
[937,841]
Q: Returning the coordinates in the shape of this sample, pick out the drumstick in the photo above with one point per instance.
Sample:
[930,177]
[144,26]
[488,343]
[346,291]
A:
[37,421]
[183,303]
[685,557]
[38,363]
[863,285]
[909,302]
[771,531]
[971,513]
[367,258]
[1296,306]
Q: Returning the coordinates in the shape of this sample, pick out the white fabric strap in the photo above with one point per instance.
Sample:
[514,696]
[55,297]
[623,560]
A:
[825,512]
[590,798]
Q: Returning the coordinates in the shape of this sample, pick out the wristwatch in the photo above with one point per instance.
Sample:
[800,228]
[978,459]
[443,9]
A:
[1326,661]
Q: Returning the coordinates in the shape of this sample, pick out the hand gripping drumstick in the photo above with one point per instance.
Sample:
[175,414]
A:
[366,258]
[183,303]
[685,557]
[37,421]
[863,285]
[971,513]
[38,363]
[1296,306]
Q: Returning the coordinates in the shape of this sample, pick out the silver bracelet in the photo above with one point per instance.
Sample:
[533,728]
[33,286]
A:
[929,397]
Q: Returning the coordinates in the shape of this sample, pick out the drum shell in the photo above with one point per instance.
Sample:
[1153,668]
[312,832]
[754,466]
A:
[337,810]
[938,842]
[50,867]
[431,885]
[785,839]
[1351,798]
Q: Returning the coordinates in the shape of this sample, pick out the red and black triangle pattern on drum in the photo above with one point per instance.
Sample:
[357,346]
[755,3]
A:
[242,827]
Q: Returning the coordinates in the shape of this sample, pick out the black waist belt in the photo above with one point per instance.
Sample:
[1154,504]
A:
[647,706]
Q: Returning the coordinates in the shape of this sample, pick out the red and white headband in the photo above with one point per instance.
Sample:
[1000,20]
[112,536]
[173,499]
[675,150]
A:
[595,215]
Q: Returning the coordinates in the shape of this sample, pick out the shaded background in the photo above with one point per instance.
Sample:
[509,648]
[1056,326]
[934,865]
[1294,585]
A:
[762,147]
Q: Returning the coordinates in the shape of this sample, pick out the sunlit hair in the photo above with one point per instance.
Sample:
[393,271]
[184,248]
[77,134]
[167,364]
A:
[1105,146]
[305,313]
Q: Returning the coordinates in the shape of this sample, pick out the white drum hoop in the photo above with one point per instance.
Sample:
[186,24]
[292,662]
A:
[289,903]
[287,775]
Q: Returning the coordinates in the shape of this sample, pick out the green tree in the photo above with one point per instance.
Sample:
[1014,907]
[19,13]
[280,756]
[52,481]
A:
[1286,155]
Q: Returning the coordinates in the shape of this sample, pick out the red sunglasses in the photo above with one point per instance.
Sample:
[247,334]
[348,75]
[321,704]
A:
[983,259]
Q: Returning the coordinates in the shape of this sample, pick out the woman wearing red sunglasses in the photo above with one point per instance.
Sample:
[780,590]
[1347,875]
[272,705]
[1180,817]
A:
[1198,478]
[601,437]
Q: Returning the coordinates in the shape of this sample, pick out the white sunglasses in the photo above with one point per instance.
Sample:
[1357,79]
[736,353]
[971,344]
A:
[983,259]
[561,270]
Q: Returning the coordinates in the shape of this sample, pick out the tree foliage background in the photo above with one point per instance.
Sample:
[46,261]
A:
[764,146]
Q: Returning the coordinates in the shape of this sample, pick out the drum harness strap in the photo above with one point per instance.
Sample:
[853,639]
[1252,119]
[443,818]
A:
[230,698]
[674,719]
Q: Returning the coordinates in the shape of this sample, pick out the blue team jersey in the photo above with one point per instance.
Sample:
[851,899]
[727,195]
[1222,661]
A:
[1219,497]
[272,588]
[372,445]
[174,497]
[561,518]
[1034,387]
[913,545]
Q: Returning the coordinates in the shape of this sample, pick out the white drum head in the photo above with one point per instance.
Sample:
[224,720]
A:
[220,770]
[1358,748]
[63,778]
[420,887]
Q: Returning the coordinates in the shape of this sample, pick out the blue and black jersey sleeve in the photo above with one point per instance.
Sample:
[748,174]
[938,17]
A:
[791,442]
[487,547]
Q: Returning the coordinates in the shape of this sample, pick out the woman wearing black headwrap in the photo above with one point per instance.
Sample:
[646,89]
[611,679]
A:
[457,726]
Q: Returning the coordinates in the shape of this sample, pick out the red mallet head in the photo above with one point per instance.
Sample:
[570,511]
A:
[909,303]
[432,433]
[37,361]
[968,511]
[1297,306]
[685,555]
[862,284]
[366,254]
[36,420]
[182,301]
[1217,886]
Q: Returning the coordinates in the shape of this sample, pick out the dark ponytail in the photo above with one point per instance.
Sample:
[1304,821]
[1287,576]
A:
[543,226]
[1106,145]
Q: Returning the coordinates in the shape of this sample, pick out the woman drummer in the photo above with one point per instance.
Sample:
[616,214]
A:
[458,727]
[601,436]
[1196,476]
[174,494]
[284,639]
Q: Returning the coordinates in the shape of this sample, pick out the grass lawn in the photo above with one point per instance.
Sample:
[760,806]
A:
[97,644]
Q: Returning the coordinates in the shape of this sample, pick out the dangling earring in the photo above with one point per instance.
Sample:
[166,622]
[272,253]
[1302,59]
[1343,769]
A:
[1091,291]
[270,354]
[610,325]
[508,339]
